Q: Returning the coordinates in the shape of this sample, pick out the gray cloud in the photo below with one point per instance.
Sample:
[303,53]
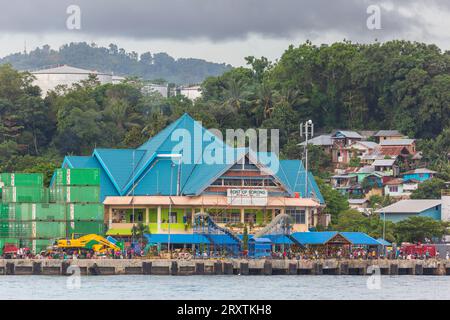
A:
[215,20]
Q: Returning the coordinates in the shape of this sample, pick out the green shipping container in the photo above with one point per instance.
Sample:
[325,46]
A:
[86,227]
[21,230]
[77,177]
[4,211]
[75,194]
[4,229]
[20,212]
[85,212]
[49,230]
[24,194]
[50,212]
[22,179]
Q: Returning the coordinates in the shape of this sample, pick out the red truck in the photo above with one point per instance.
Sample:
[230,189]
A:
[419,249]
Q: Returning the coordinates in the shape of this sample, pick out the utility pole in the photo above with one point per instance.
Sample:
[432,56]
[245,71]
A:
[307,131]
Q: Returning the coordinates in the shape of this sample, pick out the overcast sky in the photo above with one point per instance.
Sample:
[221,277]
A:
[219,30]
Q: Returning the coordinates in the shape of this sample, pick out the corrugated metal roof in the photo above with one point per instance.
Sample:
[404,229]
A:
[383,242]
[410,206]
[314,237]
[419,171]
[360,238]
[383,162]
[322,140]
[367,144]
[388,133]
[397,142]
[347,134]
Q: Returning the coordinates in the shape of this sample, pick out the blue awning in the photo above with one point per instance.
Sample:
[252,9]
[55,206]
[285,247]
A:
[177,238]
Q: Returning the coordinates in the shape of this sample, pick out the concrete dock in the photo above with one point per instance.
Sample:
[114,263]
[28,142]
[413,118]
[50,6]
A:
[224,267]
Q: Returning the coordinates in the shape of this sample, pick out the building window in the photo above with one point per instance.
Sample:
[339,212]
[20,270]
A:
[250,217]
[253,182]
[173,217]
[270,183]
[218,182]
[393,188]
[298,215]
[232,182]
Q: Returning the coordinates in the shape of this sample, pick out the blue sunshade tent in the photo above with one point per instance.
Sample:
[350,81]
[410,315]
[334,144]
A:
[177,238]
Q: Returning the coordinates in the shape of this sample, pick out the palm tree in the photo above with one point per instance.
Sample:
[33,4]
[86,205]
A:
[235,94]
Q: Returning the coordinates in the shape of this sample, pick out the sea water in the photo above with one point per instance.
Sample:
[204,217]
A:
[130,287]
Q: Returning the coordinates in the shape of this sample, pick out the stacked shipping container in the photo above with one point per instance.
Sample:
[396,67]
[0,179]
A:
[33,216]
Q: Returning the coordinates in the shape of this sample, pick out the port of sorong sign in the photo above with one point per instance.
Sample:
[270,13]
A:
[247,197]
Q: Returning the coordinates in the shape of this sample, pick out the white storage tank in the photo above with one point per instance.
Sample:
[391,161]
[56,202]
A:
[49,79]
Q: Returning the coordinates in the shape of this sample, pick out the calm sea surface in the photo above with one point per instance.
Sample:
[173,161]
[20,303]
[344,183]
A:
[224,287]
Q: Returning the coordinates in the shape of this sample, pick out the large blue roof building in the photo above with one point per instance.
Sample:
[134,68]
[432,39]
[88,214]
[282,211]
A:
[189,169]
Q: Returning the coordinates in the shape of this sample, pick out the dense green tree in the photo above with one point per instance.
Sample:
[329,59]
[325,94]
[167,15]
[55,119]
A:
[353,221]
[430,189]
[419,229]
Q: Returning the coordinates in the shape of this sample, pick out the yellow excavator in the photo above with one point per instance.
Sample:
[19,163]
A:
[91,242]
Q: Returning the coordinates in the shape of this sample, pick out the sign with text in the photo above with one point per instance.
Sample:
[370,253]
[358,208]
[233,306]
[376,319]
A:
[247,197]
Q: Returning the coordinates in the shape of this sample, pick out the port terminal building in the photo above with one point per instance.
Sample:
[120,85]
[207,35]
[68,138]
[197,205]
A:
[179,173]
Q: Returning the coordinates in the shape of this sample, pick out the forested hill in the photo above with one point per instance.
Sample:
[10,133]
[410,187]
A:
[149,66]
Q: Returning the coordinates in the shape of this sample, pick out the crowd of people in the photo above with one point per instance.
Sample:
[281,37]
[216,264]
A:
[310,253]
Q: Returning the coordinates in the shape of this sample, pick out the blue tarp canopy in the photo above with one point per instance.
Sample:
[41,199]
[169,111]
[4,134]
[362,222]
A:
[360,238]
[177,238]
[384,242]
[222,239]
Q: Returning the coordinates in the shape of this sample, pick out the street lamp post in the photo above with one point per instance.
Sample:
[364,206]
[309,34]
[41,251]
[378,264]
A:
[306,130]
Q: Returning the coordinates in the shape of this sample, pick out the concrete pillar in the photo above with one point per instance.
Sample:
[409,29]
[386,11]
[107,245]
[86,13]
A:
[393,269]
[64,266]
[218,268]
[147,216]
[267,271]
[200,268]
[147,267]
[307,218]
[192,216]
[158,219]
[317,268]
[227,268]
[292,269]
[343,268]
[174,268]
[37,268]
[273,213]
[282,211]
[242,215]
[10,268]
[243,268]
[110,215]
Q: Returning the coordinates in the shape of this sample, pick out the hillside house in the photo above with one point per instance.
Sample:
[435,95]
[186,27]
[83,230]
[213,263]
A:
[384,135]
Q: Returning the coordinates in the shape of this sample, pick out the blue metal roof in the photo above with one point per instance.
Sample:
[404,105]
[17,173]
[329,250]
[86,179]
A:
[144,172]
[177,238]
[279,239]
[360,238]
[262,240]
[314,238]
[383,242]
